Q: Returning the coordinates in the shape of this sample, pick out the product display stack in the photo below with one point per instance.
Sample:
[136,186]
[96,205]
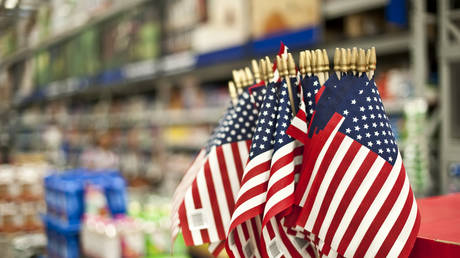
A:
[303,164]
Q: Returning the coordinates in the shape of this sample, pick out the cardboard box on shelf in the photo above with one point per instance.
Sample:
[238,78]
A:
[272,16]
[226,26]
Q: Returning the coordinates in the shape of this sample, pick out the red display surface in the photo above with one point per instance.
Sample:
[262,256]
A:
[439,234]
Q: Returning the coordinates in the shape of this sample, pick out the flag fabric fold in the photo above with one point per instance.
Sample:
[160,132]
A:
[326,180]
[208,203]
[357,199]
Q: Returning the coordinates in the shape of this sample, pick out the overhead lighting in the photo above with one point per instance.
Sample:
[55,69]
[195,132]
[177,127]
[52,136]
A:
[10,4]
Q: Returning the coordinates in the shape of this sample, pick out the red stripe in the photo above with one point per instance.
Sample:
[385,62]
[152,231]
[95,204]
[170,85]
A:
[336,179]
[248,144]
[238,246]
[381,215]
[197,202]
[412,238]
[271,232]
[184,225]
[255,86]
[284,182]
[298,151]
[218,249]
[364,207]
[296,133]
[281,162]
[291,219]
[311,250]
[196,195]
[278,208]
[348,196]
[244,227]
[225,179]
[320,92]
[321,173]
[255,230]
[258,169]
[397,226]
[247,215]
[254,191]
[213,199]
[237,160]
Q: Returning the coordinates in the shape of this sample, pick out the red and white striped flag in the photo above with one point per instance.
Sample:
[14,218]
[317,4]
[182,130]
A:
[248,235]
[208,203]
[179,194]
[286,159]
[357,199]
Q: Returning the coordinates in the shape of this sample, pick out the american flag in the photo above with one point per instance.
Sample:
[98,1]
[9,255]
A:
[208,202]
[191,172]
[179,194]
[285,166]
[247,236]
[298,129]
[252,195]
[358,199]
[287,157]
[299,125]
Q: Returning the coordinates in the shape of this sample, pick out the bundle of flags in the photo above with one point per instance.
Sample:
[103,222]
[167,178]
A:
[302,164]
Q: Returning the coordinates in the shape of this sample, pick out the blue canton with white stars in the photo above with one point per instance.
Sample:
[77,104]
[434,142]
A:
[238,123]
[310,86]
[366,121]
[263,139]
[284,115]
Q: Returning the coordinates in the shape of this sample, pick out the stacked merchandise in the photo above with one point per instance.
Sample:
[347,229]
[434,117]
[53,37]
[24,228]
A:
[151,212]
[416,153]
[87,215]
[21,198]
[69,195]
[303,163]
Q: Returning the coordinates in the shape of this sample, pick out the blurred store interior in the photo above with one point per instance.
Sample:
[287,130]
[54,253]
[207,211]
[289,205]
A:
[137,87]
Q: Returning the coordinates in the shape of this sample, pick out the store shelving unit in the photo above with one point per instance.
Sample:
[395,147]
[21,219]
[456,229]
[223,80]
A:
[161,74]
[209,66]
[449,62]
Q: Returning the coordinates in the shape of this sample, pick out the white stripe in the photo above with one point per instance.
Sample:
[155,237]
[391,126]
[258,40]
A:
[187,180]
[252,238]
[254,181]
[374,208]
[392,216]
[283,151]
[189,206]
[298,159]
[249,204]
[405,232]
[331,170]
[207,206]
[299,124]
[278,197]
[257,160]
[231,168]
[281,173]
[222,201]
[358,197]
[319,160]
[240,235]
[244,154]
[258,221]
[343,186]
[213,246]
[278,238]
[266,239]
